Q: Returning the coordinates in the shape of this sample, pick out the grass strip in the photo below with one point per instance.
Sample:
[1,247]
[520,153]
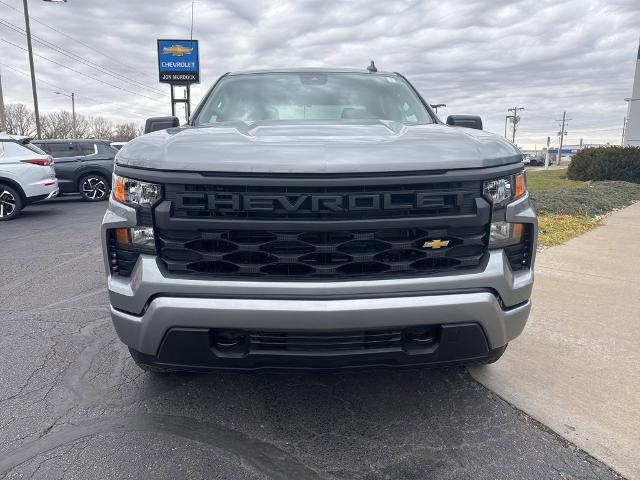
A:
[539,180]
[556,229]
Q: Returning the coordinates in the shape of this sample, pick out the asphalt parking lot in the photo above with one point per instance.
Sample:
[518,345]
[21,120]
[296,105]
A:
[74,405]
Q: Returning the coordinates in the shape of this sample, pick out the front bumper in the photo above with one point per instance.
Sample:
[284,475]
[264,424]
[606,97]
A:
[150,306]
[145,333]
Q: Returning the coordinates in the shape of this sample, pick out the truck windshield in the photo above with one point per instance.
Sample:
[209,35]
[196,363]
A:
[312,96]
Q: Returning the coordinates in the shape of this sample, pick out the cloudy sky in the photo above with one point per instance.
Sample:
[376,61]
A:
[477,56]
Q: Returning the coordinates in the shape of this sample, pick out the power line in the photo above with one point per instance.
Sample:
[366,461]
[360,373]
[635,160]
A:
[80,42]
[57,87]
[81,73]
[74,56]
[84,97]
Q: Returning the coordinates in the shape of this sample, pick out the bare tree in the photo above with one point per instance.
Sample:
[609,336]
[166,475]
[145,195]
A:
[60,125]
[101,128]
[126,131]
[57,124]
[20,119]
[84,127]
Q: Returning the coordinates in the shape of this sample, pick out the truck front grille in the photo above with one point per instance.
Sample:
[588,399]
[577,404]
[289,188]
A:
[322,254]
[297,201]
[322,227]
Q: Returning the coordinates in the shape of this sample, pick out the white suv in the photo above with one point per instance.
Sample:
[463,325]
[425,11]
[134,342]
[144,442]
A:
[26,175]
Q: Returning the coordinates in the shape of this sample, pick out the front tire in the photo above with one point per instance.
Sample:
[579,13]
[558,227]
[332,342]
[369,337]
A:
[10,203]
[94,188]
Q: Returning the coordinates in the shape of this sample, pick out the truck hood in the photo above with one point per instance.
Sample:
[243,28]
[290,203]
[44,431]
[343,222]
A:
[317,147]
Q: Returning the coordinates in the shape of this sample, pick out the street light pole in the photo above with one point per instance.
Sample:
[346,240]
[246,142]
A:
[73,111]
[73,114]
[33,73]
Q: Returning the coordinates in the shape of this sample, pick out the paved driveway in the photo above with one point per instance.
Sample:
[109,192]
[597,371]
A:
[73,404]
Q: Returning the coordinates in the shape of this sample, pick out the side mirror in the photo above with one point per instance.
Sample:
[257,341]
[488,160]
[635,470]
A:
[160,123]
[468,121]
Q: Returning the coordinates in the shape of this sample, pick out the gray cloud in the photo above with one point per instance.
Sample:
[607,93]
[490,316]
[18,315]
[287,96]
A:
[478,56]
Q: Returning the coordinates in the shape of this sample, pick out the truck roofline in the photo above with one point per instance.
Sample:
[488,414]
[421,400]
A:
[310,70]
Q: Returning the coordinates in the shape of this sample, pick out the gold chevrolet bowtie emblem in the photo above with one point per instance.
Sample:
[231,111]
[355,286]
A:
[176,50]
[435,244]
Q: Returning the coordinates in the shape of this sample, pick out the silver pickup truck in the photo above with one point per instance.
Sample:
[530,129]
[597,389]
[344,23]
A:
[317,218]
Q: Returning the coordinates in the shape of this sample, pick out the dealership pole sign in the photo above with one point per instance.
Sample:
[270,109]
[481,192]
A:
[178,62]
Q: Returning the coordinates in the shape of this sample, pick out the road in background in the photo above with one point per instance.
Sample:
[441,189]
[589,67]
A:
[73,404]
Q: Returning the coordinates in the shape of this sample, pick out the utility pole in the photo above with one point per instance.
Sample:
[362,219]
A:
[546,156]
[562,133]
[624,123]
[33,73]
[515,119]
[437,106]
[3,121]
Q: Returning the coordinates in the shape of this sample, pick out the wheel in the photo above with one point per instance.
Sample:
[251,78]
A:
[493,357]
[94,187]
[10,203]
[139,360]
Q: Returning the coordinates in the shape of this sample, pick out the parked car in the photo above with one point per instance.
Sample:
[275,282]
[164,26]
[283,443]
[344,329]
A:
[532,160]
[83,166]
[26,175]
[317,218]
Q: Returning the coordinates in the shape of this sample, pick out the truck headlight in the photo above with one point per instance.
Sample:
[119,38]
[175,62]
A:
[503,190]
[136,238]
[504,234]
[136,192]
[126,244]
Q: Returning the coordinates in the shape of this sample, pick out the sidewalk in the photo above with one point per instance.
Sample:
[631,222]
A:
[576,367]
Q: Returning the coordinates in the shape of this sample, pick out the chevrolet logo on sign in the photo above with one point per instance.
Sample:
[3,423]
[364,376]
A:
[177,50]
[435,244]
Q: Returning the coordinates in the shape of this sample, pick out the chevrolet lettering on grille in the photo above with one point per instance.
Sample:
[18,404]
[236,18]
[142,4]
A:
[325,203]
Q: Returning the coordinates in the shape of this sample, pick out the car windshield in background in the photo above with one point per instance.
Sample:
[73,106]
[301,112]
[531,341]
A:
[312,96]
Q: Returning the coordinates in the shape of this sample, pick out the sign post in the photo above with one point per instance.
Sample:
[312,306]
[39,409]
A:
[179,65]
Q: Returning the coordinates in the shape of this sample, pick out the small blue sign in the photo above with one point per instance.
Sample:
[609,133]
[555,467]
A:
[178,61]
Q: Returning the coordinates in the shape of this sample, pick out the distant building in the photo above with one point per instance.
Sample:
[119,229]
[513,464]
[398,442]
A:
[570,150]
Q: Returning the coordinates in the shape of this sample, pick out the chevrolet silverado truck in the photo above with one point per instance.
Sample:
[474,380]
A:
[317,218]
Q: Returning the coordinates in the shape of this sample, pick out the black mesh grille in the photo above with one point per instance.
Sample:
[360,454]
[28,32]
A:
[325,341]
[366,201]
[323,254]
